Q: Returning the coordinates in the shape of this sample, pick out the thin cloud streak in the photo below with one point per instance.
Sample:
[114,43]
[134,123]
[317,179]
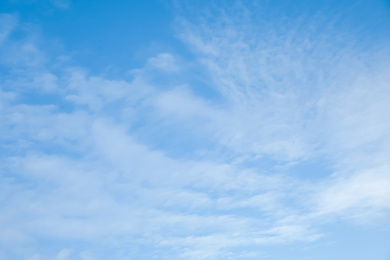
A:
[92,167]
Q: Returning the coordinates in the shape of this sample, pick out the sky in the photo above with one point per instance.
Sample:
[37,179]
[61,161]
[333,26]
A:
[168,129]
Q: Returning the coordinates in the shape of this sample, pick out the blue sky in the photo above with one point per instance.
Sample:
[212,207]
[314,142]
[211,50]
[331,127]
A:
[194,130]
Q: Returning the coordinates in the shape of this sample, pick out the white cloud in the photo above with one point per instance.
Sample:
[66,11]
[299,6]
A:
[8,23]
[34,257]
[164,62]
[46,81]
[63,4]
[86,255]
[90,166]
[363,195]
[64,254]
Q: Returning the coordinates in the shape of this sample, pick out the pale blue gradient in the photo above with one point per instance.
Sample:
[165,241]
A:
[194,130]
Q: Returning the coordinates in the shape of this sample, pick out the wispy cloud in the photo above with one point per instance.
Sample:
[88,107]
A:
[150,166]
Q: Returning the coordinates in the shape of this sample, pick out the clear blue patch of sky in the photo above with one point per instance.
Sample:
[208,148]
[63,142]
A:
[313,169]
[103,35]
